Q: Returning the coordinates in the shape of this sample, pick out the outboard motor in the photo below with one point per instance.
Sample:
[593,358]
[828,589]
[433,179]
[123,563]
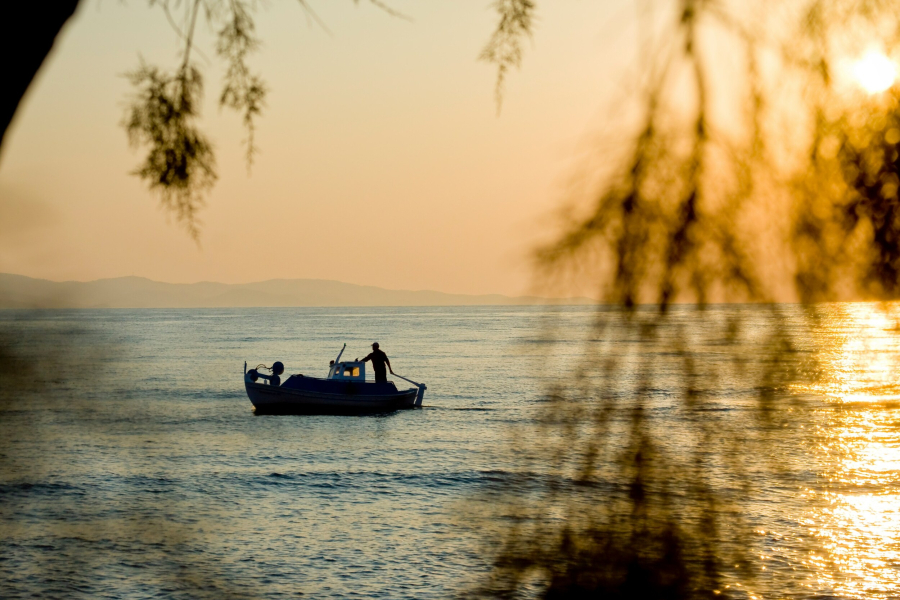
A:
[277,369]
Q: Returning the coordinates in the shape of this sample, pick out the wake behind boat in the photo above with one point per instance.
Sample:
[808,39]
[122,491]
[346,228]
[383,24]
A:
[344,391]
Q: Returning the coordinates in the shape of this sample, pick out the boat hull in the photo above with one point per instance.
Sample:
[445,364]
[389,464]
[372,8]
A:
[268,399]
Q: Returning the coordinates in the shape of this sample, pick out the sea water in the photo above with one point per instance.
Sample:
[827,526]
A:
[136,468]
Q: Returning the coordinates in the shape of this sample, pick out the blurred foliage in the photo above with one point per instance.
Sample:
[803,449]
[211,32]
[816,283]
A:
[51,368]
[504,49]
[180,164]
[751,168]
[243,91]
[164,111]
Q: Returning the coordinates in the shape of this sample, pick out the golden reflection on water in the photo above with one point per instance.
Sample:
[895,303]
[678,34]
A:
[854,512]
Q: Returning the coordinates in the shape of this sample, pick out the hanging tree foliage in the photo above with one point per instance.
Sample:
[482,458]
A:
[776,180]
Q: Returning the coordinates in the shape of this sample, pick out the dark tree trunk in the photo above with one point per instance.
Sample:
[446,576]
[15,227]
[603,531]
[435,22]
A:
[26,38]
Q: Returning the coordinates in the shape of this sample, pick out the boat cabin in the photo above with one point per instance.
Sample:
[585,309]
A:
[348,371]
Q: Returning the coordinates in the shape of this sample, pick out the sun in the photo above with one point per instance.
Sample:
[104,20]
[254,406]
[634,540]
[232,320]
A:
[875,72]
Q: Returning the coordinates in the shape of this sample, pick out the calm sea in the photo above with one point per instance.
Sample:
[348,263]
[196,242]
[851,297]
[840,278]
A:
[132,465]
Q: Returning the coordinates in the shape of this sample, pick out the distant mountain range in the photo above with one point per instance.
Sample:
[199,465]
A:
[18,291]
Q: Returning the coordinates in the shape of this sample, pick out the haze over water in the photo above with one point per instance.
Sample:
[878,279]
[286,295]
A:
[140,471]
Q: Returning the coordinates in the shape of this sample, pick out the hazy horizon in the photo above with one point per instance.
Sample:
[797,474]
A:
[255,281]
[23,292]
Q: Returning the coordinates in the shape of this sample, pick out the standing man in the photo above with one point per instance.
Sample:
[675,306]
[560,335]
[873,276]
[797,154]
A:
[379,359]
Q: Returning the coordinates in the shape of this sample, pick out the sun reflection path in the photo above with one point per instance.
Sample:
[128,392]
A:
[855,509]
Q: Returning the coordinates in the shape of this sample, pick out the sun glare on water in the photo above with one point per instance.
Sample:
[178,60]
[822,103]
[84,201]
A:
[855,520]
[875,72]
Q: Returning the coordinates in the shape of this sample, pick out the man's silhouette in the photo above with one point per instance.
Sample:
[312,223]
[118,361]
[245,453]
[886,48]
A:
[379,360]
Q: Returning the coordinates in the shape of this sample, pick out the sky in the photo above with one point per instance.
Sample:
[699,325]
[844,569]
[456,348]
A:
[383,159]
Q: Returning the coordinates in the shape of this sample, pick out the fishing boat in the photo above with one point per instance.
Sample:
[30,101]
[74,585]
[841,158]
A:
[344,391]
